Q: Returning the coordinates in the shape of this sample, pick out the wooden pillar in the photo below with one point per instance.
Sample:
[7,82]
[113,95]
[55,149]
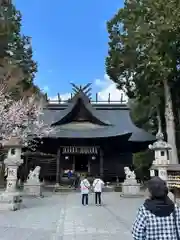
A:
[101,165]
[58,158]
[74,162]
[89,164]
[26,164]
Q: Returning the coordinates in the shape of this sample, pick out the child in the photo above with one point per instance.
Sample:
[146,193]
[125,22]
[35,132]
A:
[84,185]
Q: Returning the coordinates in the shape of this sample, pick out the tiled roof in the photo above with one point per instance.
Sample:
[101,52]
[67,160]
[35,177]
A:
[114,120]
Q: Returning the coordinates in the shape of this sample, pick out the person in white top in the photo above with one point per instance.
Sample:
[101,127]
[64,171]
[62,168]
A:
[84,185]
[97,186]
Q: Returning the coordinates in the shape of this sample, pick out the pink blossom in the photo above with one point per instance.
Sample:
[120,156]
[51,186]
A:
[22,118]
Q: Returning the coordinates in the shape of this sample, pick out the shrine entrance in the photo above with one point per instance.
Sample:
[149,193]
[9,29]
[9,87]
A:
[81,163]
[79,158]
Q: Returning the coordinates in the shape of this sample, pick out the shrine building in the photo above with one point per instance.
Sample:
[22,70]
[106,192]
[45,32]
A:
[89,137]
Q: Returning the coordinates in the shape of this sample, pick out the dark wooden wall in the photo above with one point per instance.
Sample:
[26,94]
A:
[113,165]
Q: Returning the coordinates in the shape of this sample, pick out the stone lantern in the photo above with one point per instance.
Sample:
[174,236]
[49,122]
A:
[161,161]
[11,198]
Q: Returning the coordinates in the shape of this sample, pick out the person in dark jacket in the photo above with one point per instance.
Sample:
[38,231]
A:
[158,218]
[77,180]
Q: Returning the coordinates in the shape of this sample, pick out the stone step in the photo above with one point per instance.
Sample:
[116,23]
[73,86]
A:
[109,189]
[140,195]
[64,189]
[68,189]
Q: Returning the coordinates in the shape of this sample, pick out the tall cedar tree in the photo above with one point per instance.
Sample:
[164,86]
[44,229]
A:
[144,56]
[17,47]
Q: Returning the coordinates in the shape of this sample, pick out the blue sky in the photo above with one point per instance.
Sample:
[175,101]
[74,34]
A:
[70,41]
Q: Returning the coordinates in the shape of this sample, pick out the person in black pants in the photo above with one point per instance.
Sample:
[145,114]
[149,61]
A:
[77,180]
[84,199]
[97,185]
[98,198]
[84,185]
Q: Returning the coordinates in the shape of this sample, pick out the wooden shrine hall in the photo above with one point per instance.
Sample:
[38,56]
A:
[90,137]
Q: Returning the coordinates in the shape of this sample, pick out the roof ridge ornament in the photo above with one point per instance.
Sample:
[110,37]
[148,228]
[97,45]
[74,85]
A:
[86,89]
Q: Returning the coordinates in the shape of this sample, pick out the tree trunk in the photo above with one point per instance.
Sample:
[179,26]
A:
[159,121]
[170,124]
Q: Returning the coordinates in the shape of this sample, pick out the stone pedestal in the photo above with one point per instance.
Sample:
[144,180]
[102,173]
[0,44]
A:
[33,186]
[131,189]
[32,189]
[11,199]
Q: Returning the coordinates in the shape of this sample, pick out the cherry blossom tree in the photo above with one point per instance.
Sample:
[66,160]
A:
[22,118]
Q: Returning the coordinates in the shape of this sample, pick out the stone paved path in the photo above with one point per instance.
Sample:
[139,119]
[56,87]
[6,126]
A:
[61,217]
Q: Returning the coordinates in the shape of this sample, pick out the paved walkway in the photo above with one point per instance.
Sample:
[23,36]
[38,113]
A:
[61,217]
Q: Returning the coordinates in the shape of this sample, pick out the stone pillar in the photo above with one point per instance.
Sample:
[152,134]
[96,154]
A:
[101,163]
[58,167]
[11,198]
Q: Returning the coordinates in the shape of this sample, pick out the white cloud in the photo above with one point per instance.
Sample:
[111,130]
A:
[64,97]
[108,87]
[54,99]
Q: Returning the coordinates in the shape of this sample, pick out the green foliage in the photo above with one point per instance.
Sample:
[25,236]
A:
[144,54]
[5,26]
[144,48]
[143,115]
[144,57]
[18,47]
[142,161]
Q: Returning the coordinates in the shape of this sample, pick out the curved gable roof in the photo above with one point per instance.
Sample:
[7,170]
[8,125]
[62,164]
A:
[117,119]
[82,101]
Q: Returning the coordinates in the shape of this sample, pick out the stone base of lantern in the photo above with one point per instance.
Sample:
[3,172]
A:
[131,189]
[10,201]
